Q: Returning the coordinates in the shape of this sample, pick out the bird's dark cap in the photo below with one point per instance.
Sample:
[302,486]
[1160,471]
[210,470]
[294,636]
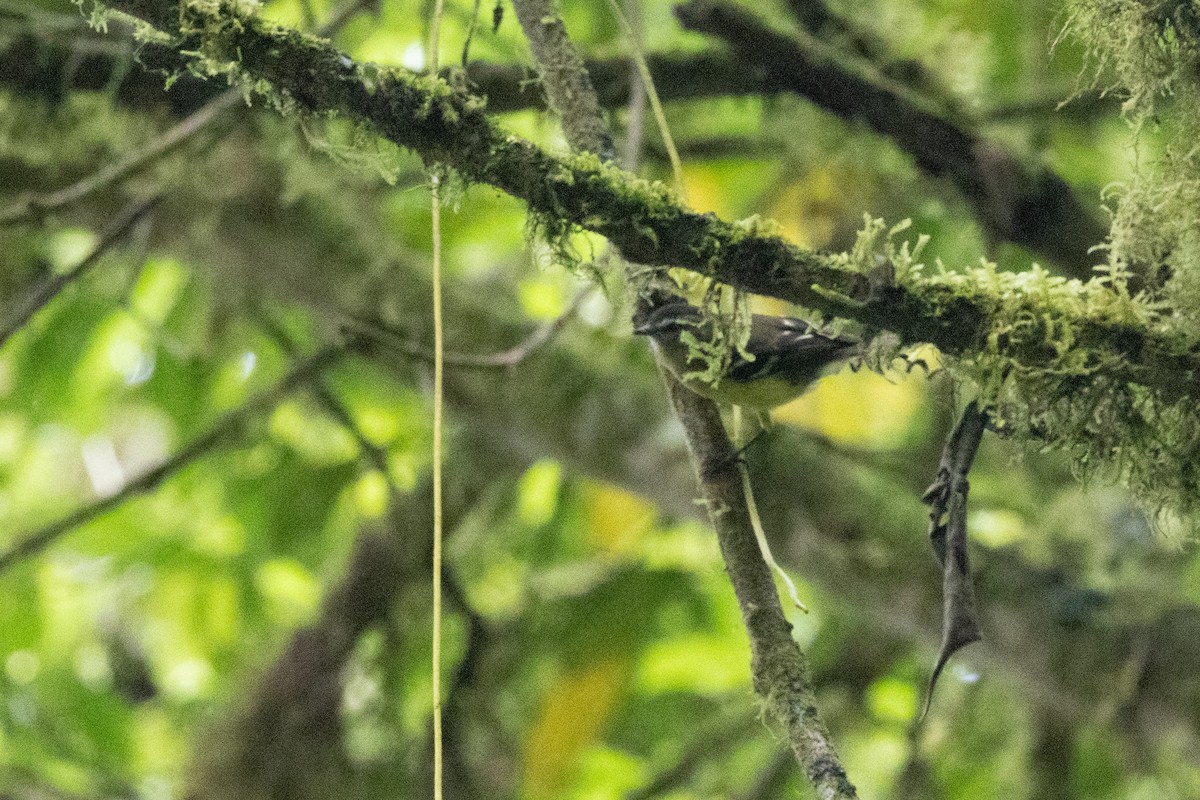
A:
[671,314]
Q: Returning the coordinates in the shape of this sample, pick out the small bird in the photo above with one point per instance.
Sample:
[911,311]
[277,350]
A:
[787,354]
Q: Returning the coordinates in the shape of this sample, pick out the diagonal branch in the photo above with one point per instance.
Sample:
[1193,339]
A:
[380,333]
[958,314]
[39,296]
[32,207]
[779,669]
[1029,205]
[832,27]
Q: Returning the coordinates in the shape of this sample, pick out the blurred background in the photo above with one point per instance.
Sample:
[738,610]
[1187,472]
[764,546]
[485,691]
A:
[226,592]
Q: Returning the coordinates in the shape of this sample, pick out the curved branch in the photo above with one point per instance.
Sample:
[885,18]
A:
[383,335]
[1017,201]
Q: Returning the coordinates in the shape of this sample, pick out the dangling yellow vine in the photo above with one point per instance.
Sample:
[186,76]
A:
[438,364]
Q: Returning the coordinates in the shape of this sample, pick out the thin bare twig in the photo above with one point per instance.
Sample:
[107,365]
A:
[383,334]
[536,340]
[222,429]
[39,296]
[36,206]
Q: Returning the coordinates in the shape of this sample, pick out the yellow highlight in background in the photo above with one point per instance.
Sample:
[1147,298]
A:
[859,408]
[892,700]
[158,288]
[537,492]
[701,663]
[997,527]
[371,494]
[705,191]
[807,209]
[573,714]
[617,520]
[542,298]
[290,592]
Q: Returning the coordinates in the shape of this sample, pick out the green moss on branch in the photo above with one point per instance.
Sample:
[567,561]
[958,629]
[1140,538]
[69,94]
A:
[1083,366]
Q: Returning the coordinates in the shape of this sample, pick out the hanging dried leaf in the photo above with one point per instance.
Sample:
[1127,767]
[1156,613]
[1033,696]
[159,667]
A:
[947,498]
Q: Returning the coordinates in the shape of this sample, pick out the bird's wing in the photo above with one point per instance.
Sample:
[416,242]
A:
[789,347]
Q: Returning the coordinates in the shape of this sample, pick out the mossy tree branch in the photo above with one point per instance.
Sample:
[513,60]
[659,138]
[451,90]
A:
[1084,367]
[1014,200]
[958,314]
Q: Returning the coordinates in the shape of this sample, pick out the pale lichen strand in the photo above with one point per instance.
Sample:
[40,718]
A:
[1150,48]
[1150,52]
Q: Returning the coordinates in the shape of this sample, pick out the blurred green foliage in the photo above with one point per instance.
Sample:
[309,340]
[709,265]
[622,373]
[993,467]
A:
[222,635]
